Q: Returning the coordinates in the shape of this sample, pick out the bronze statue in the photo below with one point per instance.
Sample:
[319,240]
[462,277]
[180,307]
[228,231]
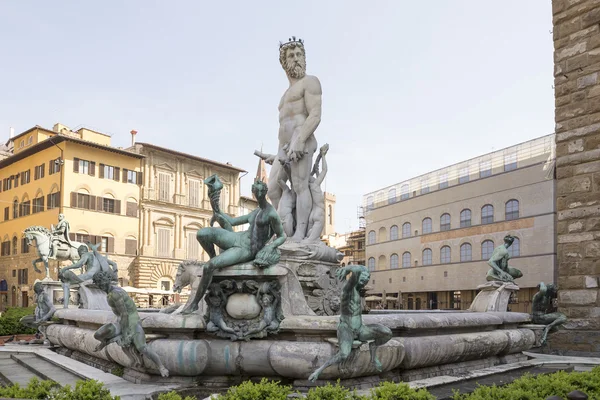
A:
[500,270]
[127,332]
[240,247]
[350,327]
[543,311]
[44,309]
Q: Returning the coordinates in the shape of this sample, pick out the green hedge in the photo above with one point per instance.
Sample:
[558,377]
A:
[84,390]
[9,322]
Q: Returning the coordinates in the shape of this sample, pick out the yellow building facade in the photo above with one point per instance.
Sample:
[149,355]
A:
[77,173]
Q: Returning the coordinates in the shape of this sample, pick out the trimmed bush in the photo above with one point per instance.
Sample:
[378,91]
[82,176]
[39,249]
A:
[36,389]
[264,390]
[174,396]
[331,392]
[395,391]
[540,387]
[9,322]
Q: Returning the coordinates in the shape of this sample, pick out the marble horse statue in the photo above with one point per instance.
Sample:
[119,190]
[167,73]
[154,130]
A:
[43,244]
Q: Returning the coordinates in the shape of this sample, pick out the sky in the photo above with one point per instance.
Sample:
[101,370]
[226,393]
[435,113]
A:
[408,87]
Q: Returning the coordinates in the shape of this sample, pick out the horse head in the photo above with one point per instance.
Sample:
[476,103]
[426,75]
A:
[35,232]
[186,273]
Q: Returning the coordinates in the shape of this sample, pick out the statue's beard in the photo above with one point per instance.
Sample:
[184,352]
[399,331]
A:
[296,70]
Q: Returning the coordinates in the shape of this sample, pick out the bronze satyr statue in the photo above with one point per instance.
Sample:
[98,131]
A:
[500,270]
[543,310]
[127,332]
[240,247]
[350,327]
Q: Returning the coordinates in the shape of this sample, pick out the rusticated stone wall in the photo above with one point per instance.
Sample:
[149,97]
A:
[577,91]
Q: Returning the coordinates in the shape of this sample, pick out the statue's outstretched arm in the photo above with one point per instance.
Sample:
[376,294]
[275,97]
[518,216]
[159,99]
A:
[78,264]
[269,158]
[241,220]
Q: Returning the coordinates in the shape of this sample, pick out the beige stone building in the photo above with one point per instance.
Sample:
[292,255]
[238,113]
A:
[174,205]
[428,239]
[577,89]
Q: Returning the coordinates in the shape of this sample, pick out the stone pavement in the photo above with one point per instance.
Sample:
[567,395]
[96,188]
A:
[20,363]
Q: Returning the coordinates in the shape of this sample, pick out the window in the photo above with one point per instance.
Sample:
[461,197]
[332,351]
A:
[427,257]
[193,247]
[164,187]
[83,200]
[164,242]
[54,166]
[371,264]
[487,214]
[165,285]
[131,176]
[463,175]
[394,232]
[84,166]
[370,203]
[14,245]
[455,300]
[38,205]
[371,238]
[427,225]
[108,205]
[25,208]
[25,177]
[103,244]
[515,249]
[404,192]
[16,179]
[510,161]
[485,169]
[131,246]
[465,218]
[406,230]
[53,200]
[392,196]
[466,253]
[445,222]
[15,209]
[194,193]
[443,181]
[24,246]
[38,172]
[445,254]
[424,186]
[5,249]
[23,278]
[6,213]
[406,260]
[107,171]
[511,210]
[487,248]
[132,209]
[394,261]
[30,140]
[82,237]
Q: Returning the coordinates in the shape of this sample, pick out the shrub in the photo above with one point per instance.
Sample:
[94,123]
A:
[264,390]
[173,396]
[36,389]
[9,322]
[331,392]
[396,391]
[540,387]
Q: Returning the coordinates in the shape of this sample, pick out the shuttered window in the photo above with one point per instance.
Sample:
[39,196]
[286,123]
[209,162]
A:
[131,247]
[38,205]
[132,209]
[193,247]
[164,187]
[53,200]
[164,242]
[194,193]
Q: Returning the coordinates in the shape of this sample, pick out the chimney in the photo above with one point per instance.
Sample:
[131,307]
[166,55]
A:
[12,132]
[133,133]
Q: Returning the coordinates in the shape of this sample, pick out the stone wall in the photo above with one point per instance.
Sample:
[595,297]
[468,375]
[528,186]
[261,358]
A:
[577,91]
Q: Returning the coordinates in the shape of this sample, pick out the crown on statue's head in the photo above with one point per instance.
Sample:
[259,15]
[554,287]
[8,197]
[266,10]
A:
[292,40]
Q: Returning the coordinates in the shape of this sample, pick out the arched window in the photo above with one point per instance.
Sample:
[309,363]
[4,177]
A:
[371,264]
[427,257]
[465,218]
[15,209]
[512,210]
[427,226]
[445,222]
[487,248]
[14,244]
[445,254]
[394,261]
[406,230]
[382,235]
[487,214]
[404,192]
[371,238]
[406,260]
[394,232]
[392,196]
[515,249]
[466,253]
